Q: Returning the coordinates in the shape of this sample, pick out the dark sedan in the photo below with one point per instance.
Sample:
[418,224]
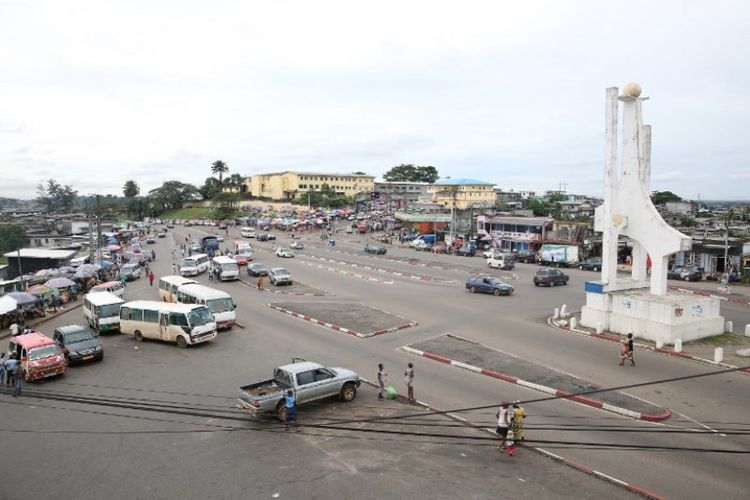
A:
[467,251]
[686,273]
[550,277]
[376,249]
[257,269]
[78,344]
[488,284]
[592,264]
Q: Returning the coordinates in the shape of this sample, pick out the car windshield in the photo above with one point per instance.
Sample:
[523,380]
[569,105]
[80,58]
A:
[200,316]
[245,252]
[78,336]
[46,351]
[189,263]
[220,305]
[280,272]
[229,266]
[109,310]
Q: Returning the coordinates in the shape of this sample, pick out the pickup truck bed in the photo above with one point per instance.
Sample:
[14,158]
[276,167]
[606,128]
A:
[264,388]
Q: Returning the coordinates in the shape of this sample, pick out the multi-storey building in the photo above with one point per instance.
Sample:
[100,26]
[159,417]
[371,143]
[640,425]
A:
[462,194]
[400,194]
[286,186]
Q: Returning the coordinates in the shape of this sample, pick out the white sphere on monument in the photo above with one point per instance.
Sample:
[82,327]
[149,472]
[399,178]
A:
[632,89]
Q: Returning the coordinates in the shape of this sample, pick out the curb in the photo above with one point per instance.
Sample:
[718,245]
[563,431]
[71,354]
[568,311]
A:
[557,458]
[595,403]
[645,347]
[48,317]
[712,295]
[300,294]
[341,328]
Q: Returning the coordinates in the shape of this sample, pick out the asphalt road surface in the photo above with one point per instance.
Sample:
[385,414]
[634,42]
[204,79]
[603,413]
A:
[155,421]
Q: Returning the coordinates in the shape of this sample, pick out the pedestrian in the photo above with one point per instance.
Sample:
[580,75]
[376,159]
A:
[14,329]
[123,279]
[260,282]
[10,370]
[151,278]
[2,368]
[174,268]
[503,423]
[210,275]
[153,254]
[182,253]
[626,349]
[409,378]
[19,376]
[518,417]
[291,411]
[381,380]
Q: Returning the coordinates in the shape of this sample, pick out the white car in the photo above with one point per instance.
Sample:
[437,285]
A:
[247,232]
[279,276]
[219,238]
[284,252]
[297,245]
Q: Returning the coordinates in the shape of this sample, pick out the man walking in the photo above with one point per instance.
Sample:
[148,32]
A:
[503,422]
[626,350]
[10,370]
[381,380]
[151,278]
[291,411]
[260,283]
[211,275]
[174,268]
[409,378]
[19,376]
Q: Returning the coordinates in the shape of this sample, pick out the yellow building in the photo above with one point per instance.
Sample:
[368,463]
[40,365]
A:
[462,194]
[286,186]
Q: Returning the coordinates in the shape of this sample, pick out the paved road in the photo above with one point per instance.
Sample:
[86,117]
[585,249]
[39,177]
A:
[513,324]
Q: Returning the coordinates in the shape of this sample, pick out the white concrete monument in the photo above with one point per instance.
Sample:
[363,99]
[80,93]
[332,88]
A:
[640,303]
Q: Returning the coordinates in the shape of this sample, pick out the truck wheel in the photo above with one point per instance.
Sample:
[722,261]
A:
[281,411]
[138,336]
[348,392]
[181,342]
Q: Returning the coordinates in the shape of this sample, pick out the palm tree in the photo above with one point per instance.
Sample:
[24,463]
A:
[219,167]
[130,189]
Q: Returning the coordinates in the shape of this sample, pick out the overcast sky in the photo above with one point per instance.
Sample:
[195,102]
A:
[93,93]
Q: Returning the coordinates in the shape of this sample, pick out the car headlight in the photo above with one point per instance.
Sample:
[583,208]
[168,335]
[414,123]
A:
[98,348]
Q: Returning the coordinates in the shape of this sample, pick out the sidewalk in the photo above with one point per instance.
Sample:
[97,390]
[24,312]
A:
[33,323]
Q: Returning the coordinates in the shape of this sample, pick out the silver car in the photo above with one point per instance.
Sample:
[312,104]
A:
[279,276]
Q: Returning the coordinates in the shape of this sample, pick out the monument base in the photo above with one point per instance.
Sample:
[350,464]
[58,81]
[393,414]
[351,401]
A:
[653,317]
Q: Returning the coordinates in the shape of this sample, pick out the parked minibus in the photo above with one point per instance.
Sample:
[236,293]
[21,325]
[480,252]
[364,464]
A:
[226,268]
[38,354]
[114,287]
[102,311]
[194,265]
[184,324]
[220,303]
[168,286]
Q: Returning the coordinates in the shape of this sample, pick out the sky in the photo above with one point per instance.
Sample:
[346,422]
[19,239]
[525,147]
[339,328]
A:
[94,93]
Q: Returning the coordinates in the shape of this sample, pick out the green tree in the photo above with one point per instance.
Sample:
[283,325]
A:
[56,197]
[12,237]
[325,197]
[220,168]
[539,207]
[171,195]
[411,173]
[209,188]
[131,189]
[662,197]
[234,180]
[224,205]
[427,174]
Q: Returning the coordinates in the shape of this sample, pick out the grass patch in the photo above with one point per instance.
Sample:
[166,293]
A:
[722,340]
[188,213]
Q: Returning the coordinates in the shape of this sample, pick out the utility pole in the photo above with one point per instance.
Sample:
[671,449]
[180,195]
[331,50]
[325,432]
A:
[98,229]
[91,233]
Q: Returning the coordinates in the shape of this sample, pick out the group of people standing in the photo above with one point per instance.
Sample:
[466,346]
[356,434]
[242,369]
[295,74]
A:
[510,426]
[408,379]
[12,373]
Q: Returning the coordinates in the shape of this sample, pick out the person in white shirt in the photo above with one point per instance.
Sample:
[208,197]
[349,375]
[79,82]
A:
[503,423]
[14,329]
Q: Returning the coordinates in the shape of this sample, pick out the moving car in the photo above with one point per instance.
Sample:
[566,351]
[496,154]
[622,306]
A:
[422,246]
[467,251]
[247,232]
[307,380]
[592,264]
[162,234]
[262,237]
[498,260]
[279,276]
[284,252]
[375,249]
[257,269]
[150,240]
[488,284]
[297,245]
[687,273]
[130,271]
[550,277]
[241,260]
[78,343]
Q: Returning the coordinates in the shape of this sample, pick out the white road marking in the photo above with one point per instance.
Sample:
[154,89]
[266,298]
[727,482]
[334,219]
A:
[702,425]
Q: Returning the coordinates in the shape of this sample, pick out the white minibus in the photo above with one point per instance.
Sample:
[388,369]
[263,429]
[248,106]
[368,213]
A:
[102,311]
[181,323]
[218,302]
[244,249]
[168,286]
[194,265]
[226,268]
[113,287]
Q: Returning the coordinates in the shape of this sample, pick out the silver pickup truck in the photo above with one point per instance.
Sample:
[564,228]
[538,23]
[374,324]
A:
[309,381]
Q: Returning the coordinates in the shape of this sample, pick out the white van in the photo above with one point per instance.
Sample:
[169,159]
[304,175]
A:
[247,232]
[226,268]
[181,323]
[243,249]
[194,265]
[102,311]
[168,286]
[114,287]
[219,303]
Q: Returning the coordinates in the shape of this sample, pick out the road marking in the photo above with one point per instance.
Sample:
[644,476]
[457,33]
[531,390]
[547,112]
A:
[701,424]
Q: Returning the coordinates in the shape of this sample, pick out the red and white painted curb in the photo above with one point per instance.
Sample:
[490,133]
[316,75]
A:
[644,347]
[341,328]
[347,273]
[541,388]
[570,463]
[743,302]
[280,292]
